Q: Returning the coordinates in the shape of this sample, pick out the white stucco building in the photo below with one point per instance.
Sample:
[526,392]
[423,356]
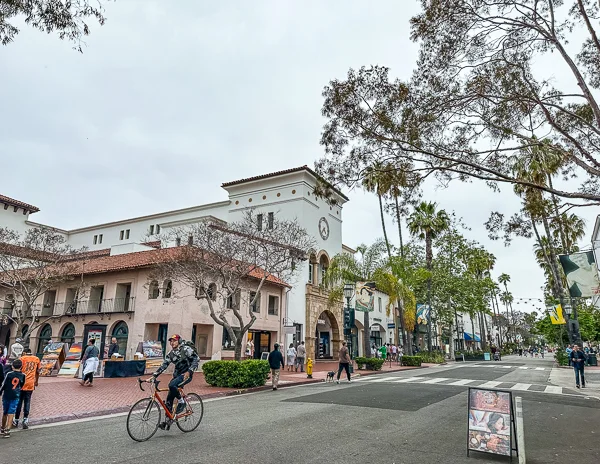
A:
[288,194]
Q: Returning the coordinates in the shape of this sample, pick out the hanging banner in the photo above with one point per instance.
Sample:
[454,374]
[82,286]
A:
[491,421]
[423,314]
[365,296]
[582,274]
[556,315]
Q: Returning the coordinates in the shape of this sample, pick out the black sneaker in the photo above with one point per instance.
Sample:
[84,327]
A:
[180,408]
[577,386]
[583,386]
[162,426]
[25,425]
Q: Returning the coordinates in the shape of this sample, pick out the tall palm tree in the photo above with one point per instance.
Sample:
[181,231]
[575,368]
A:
[426,223]
[505,297]
[375,181]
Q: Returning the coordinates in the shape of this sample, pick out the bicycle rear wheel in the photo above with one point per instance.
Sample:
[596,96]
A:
[143,419]
[194,408]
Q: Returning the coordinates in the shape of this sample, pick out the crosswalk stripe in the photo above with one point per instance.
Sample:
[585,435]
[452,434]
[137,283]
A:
[408,379]
[554,390]
[383,379]
[435,380]
[506,367]
[540,369]
[490,384]
[462,382]
[520,386]
[523,367]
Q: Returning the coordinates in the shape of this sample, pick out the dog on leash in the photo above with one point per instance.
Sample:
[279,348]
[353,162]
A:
[330,375]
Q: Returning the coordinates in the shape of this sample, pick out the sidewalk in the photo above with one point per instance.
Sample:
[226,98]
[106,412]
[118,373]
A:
[564,376]
[59,399]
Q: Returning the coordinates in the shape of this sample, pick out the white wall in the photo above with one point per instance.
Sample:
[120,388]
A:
[13,220]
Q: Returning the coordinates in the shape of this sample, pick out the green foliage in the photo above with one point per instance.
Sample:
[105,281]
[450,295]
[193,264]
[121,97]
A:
[235,374]
[433,357]
[411,360]
[371,364]
[561,357]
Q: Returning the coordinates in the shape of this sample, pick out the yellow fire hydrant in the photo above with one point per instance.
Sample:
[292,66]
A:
[309,367]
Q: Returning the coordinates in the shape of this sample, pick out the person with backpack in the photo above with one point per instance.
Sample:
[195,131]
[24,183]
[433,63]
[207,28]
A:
[185,358]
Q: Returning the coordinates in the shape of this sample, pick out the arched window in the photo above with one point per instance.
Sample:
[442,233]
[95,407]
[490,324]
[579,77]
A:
[121,333]
[323,265]
[68,334]
[153,290]
[24,331]
[45,335]
[212,291]
[167,289]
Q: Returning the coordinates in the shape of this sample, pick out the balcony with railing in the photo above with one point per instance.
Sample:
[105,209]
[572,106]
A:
[94,306]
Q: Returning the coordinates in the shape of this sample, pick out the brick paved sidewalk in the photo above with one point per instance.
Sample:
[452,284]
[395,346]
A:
[58,399]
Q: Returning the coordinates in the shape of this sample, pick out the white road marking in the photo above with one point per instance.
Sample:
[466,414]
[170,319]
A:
[507,367]
[554,390]
[462,382]
[435,380]
[540,368]
[523,367]
[521,386]
[408,379]
[384,379]
[489,384]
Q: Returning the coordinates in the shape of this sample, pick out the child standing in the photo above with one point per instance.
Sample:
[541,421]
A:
[11,390]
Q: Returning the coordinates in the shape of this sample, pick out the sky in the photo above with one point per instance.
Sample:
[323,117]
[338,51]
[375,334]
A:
[170,99]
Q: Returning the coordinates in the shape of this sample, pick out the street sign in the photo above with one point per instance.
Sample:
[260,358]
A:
[491,422]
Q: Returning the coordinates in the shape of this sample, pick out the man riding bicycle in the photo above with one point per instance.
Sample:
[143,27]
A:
[186,362]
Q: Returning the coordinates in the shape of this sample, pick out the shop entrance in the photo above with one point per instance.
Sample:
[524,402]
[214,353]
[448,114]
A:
[261,341]
[162,337]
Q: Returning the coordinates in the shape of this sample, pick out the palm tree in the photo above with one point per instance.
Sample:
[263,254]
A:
[375,181]
[426,223]
[345,268]
[505,297]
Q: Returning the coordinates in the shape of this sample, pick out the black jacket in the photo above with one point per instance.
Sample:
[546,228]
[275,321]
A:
[114,348]
[578,358]
[184,358]
[275,359]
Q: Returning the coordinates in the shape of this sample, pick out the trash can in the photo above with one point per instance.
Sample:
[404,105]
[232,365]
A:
[592,360]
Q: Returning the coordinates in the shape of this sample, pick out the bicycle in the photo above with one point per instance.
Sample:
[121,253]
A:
[147,413]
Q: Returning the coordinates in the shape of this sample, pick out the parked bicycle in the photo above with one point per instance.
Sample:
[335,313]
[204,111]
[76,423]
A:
[145,415]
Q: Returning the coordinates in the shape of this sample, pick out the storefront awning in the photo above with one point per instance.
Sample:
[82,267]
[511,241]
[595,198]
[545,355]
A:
[469,337]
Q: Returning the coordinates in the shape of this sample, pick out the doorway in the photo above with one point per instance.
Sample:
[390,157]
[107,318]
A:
[262,343]
[324,345]
[162,337]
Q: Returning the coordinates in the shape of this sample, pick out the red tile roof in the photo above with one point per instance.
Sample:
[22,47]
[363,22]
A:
[12,202]
[141,259]
[281,173]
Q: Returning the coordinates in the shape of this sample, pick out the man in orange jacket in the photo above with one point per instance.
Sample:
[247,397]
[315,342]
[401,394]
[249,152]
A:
[31,369]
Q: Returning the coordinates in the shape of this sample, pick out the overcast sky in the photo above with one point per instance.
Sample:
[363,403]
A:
[170,99]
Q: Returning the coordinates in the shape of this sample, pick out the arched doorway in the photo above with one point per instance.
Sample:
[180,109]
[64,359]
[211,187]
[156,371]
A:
[68,334]
[43,338]
[327,336]
[121,333]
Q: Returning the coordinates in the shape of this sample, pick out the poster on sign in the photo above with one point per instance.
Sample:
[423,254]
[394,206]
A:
[71,364]
[491,424]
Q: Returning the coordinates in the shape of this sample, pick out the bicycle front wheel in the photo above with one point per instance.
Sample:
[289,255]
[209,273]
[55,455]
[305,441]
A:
[194,411]
[143,419]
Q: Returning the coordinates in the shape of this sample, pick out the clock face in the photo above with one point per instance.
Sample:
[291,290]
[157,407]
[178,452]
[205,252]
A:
[324,228]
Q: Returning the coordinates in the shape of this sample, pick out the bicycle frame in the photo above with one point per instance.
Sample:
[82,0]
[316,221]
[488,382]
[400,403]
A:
[154,394]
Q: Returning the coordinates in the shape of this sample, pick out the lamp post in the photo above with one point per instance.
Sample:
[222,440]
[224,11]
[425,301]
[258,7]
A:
[461,331]
[349,316]
[572,324]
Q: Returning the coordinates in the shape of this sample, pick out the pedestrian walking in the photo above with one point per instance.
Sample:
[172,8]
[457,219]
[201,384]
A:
[394,352]
[276,363]
[578,361]
[16,349]
[31,370]
[400,354]
[291,357]
[300,356]
[90,363]
[344,359]
[383,352]
[11,390]
[569,350]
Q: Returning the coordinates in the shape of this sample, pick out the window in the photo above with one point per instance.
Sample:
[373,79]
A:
[121,235]
[379,304]
[310,273]
[190,240]
[254,308]
[95,239]
[68,334]
[157,229]
[127,234]
[100,238]
[259,221]
[177,241]
[121,333]
[270,221]
[153,290]
[212,291]
[273,305]
[167,289]
[151,231]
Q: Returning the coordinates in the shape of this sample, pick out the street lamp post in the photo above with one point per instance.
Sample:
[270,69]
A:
[572,324]
[349,316]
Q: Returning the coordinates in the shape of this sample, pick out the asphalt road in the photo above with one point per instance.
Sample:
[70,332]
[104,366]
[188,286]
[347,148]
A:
[389,418]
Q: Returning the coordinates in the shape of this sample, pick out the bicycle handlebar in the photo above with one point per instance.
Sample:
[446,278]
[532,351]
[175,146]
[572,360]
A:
[140,382]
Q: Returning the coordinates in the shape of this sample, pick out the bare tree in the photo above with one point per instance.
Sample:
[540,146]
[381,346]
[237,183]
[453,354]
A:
[31,264]
[222,262]
[65,17]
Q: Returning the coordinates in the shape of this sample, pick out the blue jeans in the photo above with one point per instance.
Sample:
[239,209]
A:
[579,371]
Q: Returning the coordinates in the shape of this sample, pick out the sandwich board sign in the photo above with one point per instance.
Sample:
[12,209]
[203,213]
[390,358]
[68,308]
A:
[492,428]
